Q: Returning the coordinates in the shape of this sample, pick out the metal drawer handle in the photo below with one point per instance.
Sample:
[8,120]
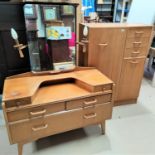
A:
[134,62]
[38,113]
[88,116]
[103,44]
[40,128]
[90,102]
[84,46]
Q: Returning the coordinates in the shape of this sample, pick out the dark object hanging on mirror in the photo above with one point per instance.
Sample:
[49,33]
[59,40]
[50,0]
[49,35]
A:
[59,53]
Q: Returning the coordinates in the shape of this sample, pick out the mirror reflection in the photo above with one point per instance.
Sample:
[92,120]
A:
[51,36]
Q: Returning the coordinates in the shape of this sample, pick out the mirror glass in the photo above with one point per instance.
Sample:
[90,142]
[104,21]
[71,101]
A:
[51,36]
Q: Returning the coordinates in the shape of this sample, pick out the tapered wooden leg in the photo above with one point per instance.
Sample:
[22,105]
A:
[103,128]
[20,148]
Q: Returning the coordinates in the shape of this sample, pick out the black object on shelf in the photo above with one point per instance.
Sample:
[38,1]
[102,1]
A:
[105,10]
[12,16]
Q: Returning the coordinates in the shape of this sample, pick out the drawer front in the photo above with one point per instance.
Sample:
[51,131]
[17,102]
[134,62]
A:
[35,112]
[136,52]
[105,88]
[139,32]
[132,43]
[60,122]
[97,114]
[89,101]
[45,126]
[17,103]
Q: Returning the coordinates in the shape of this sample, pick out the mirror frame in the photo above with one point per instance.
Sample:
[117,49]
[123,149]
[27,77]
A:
[75,13]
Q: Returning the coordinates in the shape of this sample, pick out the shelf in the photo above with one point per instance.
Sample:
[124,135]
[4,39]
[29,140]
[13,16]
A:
[103,10]
[120,10]
[106,3]
[106,7]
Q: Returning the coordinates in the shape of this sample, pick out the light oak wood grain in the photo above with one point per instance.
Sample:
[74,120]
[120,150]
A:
[130,80]
[110,48]
[51,104]
[26,88]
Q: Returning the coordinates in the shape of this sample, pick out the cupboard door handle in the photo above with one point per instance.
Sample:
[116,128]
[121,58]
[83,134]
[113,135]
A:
[90,102]
[88,116]
[38,113]
[40,128]
[103,44]
[134,62]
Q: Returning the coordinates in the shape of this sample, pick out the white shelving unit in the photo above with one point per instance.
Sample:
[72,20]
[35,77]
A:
[121,10]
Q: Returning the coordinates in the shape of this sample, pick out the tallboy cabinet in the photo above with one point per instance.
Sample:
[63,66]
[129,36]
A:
[119,51]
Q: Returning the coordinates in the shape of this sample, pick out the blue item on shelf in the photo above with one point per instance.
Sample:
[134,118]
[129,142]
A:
[88,3]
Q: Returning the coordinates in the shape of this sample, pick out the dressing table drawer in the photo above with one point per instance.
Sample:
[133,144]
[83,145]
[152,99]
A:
[35,112]
[34,129]
[93,115]
[59,122]
[105,88]
[89,101]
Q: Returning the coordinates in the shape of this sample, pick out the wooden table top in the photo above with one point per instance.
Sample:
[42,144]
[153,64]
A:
[22,87]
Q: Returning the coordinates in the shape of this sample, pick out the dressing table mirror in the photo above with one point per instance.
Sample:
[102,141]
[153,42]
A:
[51,36]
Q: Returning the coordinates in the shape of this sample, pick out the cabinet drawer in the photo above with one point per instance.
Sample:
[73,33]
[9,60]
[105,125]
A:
[45,126]
[89,101]
[136,52]
[35,112]
[105,88]
[59,122]
[17,103]
[139,32]
[93,115]
[132,43]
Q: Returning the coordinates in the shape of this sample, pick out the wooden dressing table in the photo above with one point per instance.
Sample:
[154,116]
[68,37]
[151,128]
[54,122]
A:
[40,105]
[37,106]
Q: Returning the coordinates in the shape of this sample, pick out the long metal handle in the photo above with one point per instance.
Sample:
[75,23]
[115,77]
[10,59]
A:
[88,116]
[90,102]
[83,45]
[40,128]
[80,43]
[38,113]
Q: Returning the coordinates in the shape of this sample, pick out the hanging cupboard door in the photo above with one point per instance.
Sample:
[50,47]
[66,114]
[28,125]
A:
[106,47]
[130,80]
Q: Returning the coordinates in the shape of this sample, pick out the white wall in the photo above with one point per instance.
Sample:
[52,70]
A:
[142,11]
